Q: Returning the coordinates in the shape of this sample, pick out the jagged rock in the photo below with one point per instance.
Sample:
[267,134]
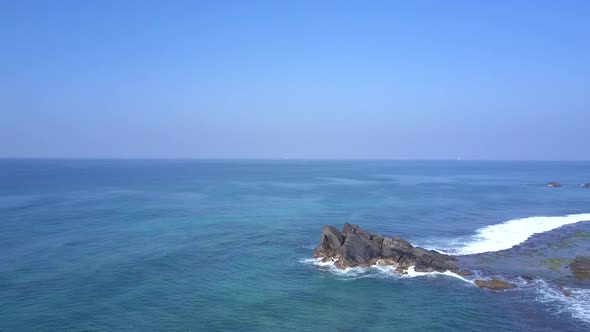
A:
[494,284]
[580,267]
[356,247]
[330,241]
[554,184]
[395,248]
[359,249]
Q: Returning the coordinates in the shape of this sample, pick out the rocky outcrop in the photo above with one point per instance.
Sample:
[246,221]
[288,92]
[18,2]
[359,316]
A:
[356,247]
[494,284]
[554,184]
[580,267]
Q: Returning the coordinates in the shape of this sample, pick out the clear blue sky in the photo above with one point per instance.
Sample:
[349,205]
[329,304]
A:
[299,79]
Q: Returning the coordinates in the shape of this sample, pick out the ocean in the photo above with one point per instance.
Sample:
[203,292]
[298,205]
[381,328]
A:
[208,245]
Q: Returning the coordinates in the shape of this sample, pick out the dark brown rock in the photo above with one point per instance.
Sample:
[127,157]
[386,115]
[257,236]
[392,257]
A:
[358,250]
[330,242]
[395,248]
[356,247]
[494,284]
[580,267]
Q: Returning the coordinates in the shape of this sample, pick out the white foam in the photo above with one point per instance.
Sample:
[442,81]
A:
[510,233]
[380,270]
[348,272]
[577,304]
[413,273]
[318,262]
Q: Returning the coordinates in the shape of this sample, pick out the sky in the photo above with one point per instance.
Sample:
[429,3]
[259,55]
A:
[295,79]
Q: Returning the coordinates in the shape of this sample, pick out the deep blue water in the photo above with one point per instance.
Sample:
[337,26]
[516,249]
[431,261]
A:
[221,245]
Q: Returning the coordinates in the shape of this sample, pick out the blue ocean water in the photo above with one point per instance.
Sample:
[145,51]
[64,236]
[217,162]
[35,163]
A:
[137,245]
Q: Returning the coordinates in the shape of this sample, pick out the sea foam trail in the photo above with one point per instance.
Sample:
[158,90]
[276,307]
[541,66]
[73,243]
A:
[412,273]
[577,304]
[510,233]
[377,270]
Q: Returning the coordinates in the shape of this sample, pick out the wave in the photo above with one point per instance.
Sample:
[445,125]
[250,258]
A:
[412,273]
[577,304]
[351,272]
[510,233]
[377,270]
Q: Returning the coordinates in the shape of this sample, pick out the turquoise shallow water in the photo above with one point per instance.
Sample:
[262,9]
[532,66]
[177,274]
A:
[219,245]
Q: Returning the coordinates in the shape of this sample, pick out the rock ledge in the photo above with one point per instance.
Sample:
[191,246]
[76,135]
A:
[580,267]
[494,284]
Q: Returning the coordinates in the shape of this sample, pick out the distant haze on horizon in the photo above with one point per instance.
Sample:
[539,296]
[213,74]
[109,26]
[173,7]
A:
[506,80]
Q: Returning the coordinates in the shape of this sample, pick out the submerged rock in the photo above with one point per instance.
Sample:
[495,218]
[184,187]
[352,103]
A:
[494,284]
[356,247]
[554,184]
[465,273]
[565,291]
[580,267]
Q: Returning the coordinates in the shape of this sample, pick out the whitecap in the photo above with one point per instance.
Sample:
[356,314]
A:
[379,270]
[329,265]
[510,233]
[577,304]
[412,273]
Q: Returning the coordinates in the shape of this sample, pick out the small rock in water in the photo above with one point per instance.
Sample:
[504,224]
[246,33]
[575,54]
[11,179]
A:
[580,267]
[494,284]
[565,291]
[585,185]
[554,184]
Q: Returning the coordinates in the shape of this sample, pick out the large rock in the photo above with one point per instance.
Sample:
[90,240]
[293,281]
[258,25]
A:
[359,249]
[580,267]
[330,242]
[394,250]
[356,247]
[494,284]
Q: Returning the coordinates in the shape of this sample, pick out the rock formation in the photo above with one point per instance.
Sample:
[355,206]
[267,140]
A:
[580,267]
[355,247]
[494,284]
[554,184]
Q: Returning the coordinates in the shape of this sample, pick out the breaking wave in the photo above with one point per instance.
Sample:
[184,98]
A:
[510,233]
[577,304]
[377,270]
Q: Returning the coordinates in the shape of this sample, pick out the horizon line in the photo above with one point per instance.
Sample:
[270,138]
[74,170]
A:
[276,159]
